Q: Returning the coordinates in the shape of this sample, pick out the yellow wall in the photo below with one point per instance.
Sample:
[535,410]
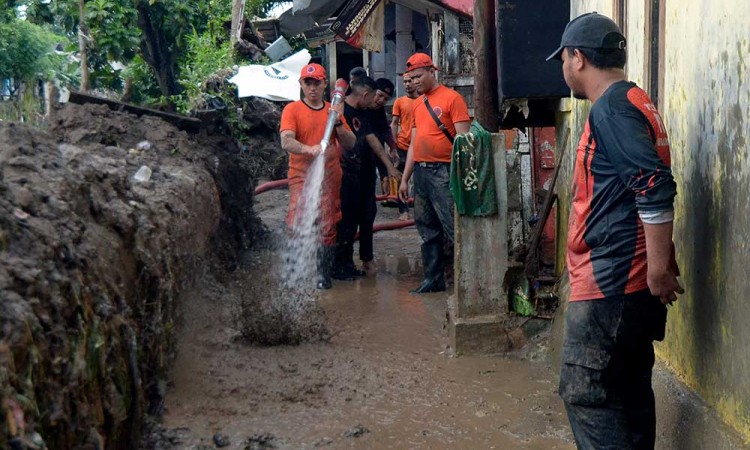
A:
[707,113]
[706,108]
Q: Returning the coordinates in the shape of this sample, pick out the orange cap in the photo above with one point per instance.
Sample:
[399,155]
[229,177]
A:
[313,70]
[419,60]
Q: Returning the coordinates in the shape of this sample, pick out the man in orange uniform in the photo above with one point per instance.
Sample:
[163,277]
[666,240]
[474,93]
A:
[439,114]
[303,124]
[401,126]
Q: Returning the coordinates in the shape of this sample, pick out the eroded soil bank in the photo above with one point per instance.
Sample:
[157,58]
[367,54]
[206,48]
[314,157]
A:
[385,380]
[93,262]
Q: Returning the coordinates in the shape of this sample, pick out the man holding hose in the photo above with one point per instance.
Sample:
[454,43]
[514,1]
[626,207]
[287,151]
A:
[302,127]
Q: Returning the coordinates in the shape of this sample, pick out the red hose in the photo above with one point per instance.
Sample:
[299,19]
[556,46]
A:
[389,226]
[284,182]
[271,185]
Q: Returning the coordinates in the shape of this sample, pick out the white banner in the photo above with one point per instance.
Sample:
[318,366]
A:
[277,82]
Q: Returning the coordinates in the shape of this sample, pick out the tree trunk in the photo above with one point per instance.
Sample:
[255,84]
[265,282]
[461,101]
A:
[155,48]
[83,46]
[238,19]
[127,92]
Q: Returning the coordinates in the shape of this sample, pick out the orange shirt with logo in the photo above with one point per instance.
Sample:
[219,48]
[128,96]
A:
[309,125]
[402,108]
[430,144]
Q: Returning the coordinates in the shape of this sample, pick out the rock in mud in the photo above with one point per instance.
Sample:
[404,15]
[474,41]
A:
[261,442]
[356,432]
[221,440]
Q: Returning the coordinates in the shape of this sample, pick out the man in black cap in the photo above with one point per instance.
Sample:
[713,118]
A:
[620,253]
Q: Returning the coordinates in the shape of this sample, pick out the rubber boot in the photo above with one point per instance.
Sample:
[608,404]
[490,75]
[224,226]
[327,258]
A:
[434,275]
[325,266]
[342,272]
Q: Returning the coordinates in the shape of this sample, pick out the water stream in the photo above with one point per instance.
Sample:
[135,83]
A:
[299,258]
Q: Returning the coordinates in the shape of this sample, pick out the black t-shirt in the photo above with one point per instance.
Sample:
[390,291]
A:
[379,124]
[360,122]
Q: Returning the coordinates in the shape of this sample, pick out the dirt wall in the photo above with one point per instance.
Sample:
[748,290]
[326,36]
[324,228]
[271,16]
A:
[92,263]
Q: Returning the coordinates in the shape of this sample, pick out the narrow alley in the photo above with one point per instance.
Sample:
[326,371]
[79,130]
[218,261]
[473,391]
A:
[386,379]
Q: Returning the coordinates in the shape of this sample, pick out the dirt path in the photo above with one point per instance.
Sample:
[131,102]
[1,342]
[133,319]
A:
[384,381]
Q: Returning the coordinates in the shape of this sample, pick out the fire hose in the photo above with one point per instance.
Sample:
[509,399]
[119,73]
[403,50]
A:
[389,226]
[276,184]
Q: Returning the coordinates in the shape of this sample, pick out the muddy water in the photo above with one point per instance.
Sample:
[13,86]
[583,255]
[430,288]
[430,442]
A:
[385,381]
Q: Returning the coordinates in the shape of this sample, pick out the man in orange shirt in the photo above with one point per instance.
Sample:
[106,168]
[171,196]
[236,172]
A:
[303,124]
[429,159]
[401,126]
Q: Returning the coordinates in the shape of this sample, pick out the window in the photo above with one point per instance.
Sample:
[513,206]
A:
[654,56]
[621,15]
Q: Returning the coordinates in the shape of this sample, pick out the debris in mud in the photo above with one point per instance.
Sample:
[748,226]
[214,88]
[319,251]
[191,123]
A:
[177,436]
[268,314]
[221,440]
[356,432]
[323,442]
[261,442]
[157,437]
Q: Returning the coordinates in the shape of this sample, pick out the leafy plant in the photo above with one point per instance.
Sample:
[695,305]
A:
[26,51]
[203,58]
[27,55]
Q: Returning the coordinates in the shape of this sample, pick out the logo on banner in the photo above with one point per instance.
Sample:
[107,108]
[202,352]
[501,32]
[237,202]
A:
[276,74]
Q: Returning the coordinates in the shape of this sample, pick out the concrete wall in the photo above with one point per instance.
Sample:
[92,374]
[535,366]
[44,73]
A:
[707,113]
[706,108]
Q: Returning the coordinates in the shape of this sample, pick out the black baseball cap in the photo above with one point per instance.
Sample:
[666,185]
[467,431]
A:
[590,30]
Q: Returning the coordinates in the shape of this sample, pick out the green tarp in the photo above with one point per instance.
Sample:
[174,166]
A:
[473,174]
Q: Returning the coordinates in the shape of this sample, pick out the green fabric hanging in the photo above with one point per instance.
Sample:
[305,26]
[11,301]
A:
[473,173]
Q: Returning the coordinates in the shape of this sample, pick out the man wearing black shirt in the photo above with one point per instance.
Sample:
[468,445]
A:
[358,181]
[620,257]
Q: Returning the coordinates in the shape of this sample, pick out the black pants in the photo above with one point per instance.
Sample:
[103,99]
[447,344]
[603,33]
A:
[368,212]
[402,206]
[357,212]
[605,380]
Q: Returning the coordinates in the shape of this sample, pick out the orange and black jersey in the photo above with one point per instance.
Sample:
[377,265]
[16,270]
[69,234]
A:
[622,167]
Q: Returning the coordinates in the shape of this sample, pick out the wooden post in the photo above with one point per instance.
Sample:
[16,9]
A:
[238,18]
[83,31]
[485,63]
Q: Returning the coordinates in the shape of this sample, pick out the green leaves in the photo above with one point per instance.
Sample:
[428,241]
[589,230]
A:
[26,51]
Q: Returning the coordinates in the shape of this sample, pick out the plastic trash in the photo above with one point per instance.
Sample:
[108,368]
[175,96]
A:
[143,145]
[143,175]
[521,304]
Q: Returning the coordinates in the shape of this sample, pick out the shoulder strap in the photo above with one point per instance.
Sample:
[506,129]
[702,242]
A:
[437,120]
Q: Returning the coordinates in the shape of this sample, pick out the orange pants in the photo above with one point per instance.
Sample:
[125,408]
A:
[330,205]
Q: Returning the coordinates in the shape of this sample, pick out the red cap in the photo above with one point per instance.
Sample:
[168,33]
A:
[313,70]
[419,60]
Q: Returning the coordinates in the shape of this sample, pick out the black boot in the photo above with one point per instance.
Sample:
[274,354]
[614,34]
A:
[325,266]
[342,272]
[434,275]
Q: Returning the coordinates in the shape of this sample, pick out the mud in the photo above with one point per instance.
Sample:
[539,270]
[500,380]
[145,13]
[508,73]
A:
[384,380]
[92,264]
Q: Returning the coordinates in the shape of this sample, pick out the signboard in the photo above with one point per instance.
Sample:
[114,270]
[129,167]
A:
[352,17]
